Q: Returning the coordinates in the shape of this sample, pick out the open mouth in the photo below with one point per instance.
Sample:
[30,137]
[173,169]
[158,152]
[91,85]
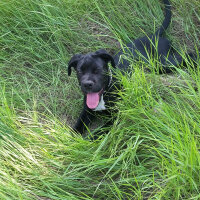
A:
[92,99]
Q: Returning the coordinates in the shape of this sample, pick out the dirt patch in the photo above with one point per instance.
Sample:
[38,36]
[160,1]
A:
[102,34]
[185,30]
[179,33]
[43,198]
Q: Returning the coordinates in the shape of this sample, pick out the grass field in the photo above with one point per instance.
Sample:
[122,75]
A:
[151,151]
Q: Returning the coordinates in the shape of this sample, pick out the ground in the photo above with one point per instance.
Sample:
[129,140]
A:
[152,149]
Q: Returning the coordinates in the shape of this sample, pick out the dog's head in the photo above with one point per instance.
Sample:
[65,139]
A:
[92,73]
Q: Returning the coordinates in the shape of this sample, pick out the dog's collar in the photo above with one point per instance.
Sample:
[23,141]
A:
[101,106]
[110,77]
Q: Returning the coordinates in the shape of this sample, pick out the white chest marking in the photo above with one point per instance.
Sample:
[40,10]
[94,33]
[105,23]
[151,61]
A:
[101,105]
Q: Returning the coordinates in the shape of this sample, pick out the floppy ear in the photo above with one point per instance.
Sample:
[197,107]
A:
[73,62]
[102,53]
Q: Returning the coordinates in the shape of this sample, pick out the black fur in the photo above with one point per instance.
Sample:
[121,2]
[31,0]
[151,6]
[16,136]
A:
[93,73]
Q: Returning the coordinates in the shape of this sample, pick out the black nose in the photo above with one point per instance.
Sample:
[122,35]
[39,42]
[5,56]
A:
[88,85]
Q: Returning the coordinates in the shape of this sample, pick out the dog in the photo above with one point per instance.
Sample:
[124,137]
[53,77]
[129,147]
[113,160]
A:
[95,77]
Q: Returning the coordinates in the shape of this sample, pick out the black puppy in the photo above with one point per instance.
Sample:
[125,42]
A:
[95,77]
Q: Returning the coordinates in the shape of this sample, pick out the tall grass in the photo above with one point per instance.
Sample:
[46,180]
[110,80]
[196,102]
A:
[152,149]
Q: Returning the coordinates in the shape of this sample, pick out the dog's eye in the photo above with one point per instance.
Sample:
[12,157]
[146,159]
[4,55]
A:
[82,69]
[79,71]
[95,71]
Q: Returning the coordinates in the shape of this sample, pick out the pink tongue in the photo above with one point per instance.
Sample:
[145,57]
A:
[92,100]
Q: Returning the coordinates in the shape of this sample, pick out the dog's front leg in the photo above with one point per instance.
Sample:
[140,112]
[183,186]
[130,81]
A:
[84,119]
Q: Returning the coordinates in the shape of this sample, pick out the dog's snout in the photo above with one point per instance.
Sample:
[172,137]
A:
[88,85]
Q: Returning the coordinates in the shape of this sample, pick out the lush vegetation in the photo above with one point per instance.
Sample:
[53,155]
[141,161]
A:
[151,151]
